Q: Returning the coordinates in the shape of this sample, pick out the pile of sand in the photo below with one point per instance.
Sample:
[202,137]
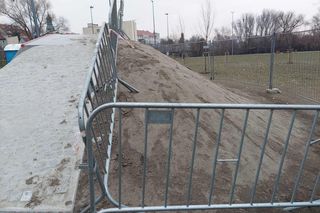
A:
[161,79]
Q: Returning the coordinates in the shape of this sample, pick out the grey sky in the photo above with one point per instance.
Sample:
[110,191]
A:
[78,13]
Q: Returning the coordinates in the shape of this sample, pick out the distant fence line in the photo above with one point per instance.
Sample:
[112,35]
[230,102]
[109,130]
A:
[288,61]
[296,41]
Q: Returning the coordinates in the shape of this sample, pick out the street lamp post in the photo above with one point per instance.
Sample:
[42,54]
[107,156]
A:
[91,7]
[167,14]
[232,12]
[154,25]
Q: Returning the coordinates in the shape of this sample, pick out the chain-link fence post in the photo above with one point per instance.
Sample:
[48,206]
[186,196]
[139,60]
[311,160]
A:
[212,61]
[205,60]
[206,54]
[273,48]
[209,58]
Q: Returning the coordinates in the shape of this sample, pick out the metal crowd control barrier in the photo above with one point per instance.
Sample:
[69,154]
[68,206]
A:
[99,143]
[101,81]
[101,85]
[99,114]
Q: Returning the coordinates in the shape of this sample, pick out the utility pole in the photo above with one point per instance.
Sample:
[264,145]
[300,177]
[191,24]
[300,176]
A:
[36,33]
[232,12]
[154,25]
[91,7]
[167,14]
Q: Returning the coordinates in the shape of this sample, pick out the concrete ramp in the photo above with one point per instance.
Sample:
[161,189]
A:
[40,143]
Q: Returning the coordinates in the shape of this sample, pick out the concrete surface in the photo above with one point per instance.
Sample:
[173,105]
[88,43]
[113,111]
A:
[40,142]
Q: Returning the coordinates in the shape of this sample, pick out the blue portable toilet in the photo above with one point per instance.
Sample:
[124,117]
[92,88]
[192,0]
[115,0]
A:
[11,51]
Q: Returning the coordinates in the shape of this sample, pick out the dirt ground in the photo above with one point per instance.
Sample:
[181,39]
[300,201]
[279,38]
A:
[161,79]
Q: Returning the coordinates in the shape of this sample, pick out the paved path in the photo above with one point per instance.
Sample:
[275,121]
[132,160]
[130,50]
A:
[40,143]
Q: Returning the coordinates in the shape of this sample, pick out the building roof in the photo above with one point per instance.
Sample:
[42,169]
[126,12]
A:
[144,33]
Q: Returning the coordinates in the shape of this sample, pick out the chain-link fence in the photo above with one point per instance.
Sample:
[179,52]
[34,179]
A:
[288,61]
[242,60]
[297,64]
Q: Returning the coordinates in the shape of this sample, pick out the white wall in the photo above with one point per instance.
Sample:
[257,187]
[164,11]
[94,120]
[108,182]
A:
[130,28]
[13,40]
[88,30]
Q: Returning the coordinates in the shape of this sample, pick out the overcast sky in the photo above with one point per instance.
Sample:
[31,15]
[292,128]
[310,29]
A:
[78,12]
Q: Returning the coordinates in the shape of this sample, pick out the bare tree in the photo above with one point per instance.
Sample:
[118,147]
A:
[42,9]
[289,21]
[182,30]
[207,19]
[245,26]
[315,23]
[267,23]
[20,13]
[223,33]
[181,24]
[174,35]
[60,24]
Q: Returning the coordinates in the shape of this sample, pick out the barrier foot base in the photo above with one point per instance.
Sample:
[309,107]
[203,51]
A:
[289,209]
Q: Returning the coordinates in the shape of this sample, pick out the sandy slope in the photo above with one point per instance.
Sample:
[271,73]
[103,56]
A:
[161,79]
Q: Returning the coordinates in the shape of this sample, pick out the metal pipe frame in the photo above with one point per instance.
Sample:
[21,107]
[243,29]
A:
[100,87]
[87,93]
[205,106]
[148,107]
[97,109]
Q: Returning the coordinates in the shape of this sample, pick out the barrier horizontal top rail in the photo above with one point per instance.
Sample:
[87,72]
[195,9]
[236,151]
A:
[206,106]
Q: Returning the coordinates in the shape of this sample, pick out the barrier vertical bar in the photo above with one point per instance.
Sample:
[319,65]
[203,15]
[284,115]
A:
[296,185]
[315,187]
[193,156]
[169,159]
[216,157]
[120,155]
[145,157]
[239,155]
[275,188]
[90,171]
[266,139]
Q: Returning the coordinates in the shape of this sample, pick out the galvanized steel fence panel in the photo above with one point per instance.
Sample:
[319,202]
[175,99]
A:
[101,81]
[99,115]
[100,88]
[297,66]
[156,116]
